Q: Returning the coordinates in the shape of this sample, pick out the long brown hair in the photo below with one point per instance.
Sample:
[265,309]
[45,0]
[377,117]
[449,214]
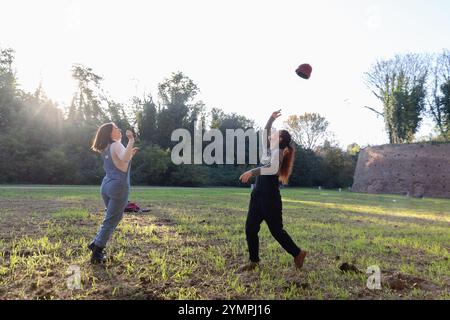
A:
[102,137]
[288,156]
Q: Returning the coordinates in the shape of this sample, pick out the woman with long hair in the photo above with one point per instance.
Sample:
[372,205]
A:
[116,183]
[265,201]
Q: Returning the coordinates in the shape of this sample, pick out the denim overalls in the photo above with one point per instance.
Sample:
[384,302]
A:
[114,189]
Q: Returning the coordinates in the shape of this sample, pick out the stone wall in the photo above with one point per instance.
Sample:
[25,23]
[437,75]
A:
[420,170]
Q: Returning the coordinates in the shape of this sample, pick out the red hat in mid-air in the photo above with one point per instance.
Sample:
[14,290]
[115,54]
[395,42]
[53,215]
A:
[304,71]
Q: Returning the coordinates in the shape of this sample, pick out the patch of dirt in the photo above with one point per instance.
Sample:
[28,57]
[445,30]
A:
[22,253]
[402,282]
[28,206]
[298,284]
[19,214]
[164,222]
[224,211]
[348,267]
[15,208]
[161,218]
[26,217]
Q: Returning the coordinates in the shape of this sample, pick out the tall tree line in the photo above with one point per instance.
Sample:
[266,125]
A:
[411,87]
[42,142]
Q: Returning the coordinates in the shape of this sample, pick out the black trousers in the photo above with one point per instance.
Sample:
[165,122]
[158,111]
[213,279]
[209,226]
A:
[267,207]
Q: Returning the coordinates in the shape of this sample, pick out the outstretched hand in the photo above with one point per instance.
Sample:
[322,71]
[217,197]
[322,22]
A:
[130,134]
[276,114]
[245,176]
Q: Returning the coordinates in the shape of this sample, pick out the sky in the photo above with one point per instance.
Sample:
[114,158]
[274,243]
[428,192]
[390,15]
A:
[241,53]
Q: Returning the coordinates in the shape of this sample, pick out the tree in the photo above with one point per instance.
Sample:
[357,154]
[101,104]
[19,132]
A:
[188,176]
[307,130]
[439,97]
[86,106]
[146,114]
[338,166]
[353,149]
[179,110]
[42,121]
[222,121]
[150,165]
[117,115]
[308,169]
[399,83]
[177,90]
[9,103]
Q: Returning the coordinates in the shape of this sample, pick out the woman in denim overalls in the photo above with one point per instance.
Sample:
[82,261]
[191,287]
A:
[116,183]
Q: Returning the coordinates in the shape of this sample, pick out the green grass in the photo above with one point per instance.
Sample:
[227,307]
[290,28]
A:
[71,213]
[192,243]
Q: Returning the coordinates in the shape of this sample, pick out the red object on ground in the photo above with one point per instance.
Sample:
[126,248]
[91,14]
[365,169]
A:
[132,207]
[304,71]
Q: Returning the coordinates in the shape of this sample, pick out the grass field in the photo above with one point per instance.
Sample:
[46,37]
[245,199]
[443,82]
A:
[192,242]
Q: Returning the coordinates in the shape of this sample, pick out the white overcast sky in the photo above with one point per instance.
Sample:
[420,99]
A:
[241,53]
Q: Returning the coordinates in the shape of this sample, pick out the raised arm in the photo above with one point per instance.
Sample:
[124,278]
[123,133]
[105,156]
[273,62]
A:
[125,154]
[276,158]
[268,126]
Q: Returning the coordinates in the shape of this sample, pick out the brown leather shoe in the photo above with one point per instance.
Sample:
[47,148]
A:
[299,259]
